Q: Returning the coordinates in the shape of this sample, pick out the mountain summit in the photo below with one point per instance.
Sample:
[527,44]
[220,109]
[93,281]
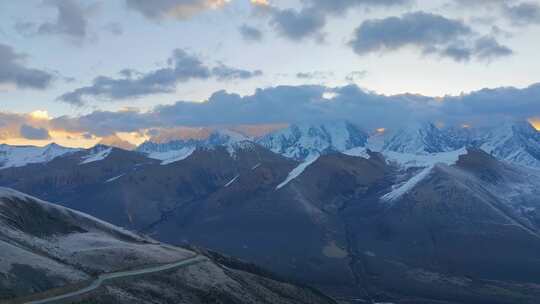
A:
[299,141]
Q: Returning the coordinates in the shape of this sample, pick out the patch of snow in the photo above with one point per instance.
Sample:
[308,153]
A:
[172,156]
[399,191]
[114,178]
[232,181]
[97,156]
[407,160]
[256,166]
[298,170]
[357,152]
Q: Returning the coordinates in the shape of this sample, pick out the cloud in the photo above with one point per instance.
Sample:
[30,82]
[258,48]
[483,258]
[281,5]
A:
[105,123]
[294,104]
[315,75]
[488,48]
[181,67]
[422,29]
[30,126]
[354,76]
[310,19]
[33,133]
[524,13]
[71,20]
[13,70]
[297,25]
[482,3]
[493,105]
[430,33]
[520,13]
[341,6]
[250,33]
[175,9]
[225,73]
[10,125]
[114,28]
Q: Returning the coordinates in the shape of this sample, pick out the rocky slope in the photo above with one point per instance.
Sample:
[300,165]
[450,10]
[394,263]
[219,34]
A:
[44,246]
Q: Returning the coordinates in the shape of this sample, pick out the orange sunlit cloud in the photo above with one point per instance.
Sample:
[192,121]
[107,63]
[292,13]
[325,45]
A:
[189,9]
[217,3]
[535,122]
[63,138]
[260,2]
[40,115]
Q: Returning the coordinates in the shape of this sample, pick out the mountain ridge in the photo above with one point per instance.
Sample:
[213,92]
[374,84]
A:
[516,142]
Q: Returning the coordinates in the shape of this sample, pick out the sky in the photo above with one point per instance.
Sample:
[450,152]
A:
[78,71]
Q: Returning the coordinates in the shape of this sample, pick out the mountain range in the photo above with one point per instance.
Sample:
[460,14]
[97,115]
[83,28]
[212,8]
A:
[419,215]
[517,142]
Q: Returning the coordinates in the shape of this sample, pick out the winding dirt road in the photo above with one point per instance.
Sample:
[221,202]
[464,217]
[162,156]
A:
[117,275]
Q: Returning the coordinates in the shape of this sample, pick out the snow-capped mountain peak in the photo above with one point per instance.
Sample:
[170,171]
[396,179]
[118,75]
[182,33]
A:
[19,156]
[298,141]
[231,140]
[225,137]
[517,142]
[419,138]
[177,150]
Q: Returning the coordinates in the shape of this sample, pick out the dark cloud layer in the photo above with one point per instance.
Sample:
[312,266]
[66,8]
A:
[33,133]
[290,104]
[430,33]
[13,70]
[181,67]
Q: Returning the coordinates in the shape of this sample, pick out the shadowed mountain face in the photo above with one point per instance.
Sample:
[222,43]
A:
[450,232]
[45,246]
[457,226]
